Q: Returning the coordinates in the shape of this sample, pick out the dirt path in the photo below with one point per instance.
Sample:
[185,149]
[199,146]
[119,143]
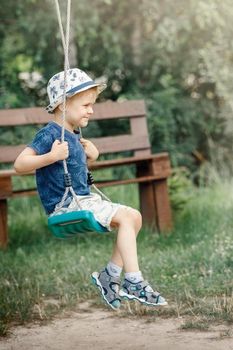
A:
[102,330]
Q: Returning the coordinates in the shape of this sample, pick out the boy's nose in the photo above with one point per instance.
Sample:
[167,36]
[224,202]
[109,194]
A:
[90,110]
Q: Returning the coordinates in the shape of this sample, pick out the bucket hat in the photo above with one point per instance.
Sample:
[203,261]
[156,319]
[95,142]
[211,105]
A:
[77,81]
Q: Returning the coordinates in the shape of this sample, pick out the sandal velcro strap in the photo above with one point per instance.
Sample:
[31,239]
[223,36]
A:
[142,284]
[114,280]
[145,284]
[156,294]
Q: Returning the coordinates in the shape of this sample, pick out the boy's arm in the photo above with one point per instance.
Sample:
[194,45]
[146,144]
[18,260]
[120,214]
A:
[28,160]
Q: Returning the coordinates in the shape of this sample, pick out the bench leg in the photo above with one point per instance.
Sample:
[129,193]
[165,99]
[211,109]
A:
[154,198]
[147,203]
[3,223]
[163,208]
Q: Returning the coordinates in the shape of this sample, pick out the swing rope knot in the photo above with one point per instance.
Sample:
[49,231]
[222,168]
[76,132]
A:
[68,180]
[90,179]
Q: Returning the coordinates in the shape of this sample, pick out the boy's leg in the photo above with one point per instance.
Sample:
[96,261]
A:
[134,287]
[125,250]
[116,256]
[107,281]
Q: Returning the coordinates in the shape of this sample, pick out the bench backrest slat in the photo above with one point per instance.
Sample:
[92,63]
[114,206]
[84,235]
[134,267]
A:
[105,145]
[102,111]
[137,140]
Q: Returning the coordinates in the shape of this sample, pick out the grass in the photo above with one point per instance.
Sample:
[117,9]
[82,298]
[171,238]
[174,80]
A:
[192,267]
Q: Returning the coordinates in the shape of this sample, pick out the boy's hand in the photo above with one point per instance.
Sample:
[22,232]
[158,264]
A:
[90,149]
[59,150]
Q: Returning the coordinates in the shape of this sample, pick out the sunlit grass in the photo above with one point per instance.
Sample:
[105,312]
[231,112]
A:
[192,267]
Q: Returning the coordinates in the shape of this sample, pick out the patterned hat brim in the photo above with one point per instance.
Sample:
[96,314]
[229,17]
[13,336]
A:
[77,89]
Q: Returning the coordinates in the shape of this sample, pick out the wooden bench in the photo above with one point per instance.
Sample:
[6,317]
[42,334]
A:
[151,173]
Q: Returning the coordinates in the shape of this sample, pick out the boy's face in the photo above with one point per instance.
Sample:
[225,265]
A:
[80,108]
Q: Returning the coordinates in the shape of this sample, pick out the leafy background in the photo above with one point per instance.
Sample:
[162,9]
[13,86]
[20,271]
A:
[175,54]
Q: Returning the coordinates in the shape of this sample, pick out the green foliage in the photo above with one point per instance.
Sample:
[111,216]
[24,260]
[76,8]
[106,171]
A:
[176,55]
[181,189]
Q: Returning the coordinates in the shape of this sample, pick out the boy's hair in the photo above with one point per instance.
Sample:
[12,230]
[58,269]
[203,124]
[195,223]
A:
[94,89]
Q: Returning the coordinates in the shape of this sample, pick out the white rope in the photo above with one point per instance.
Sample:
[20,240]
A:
[101,193]
[65,43]
[60,205]
[66,63]
[63,39]
[61,26]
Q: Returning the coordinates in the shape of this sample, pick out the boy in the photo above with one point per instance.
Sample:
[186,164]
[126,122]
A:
[45,155]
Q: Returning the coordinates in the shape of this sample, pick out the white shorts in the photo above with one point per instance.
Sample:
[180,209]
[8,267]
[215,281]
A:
[102,209]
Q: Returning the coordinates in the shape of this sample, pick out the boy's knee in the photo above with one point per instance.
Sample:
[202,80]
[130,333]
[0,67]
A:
[138,218]
[135,217]
[129,215]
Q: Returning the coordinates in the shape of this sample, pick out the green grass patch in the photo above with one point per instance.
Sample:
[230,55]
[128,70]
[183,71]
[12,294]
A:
[195,325]
[192,267]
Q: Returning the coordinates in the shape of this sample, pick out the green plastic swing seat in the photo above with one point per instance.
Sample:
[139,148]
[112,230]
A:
[67,225]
